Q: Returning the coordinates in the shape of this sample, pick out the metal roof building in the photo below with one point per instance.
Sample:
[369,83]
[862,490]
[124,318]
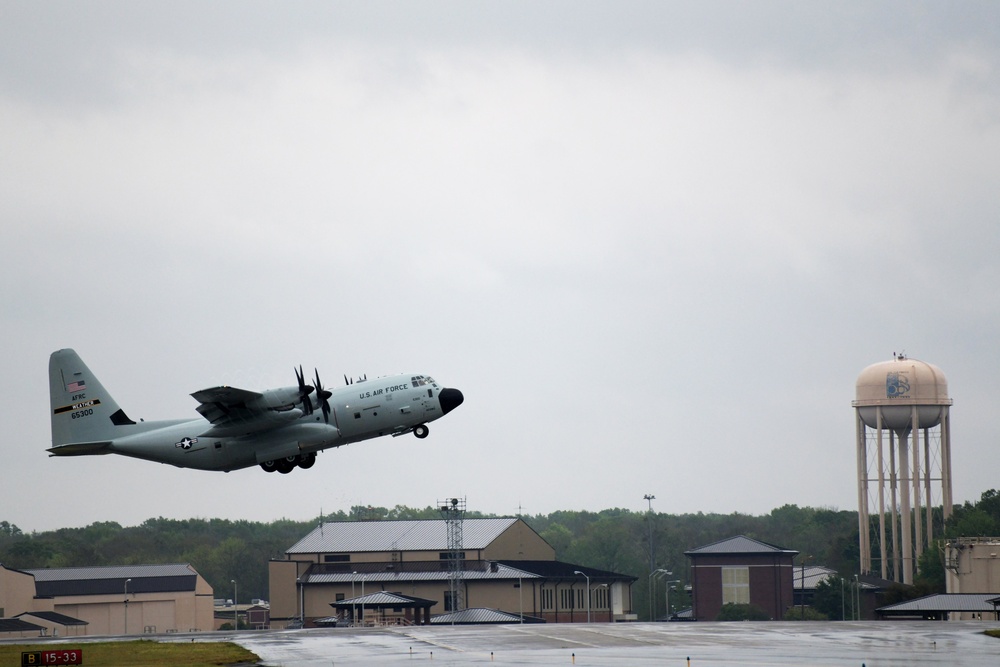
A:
[376,536]
[741,570]
[130,599]
[504,564]
[111,579]
[942,606]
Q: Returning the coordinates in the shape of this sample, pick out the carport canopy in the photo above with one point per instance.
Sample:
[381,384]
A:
[415,610]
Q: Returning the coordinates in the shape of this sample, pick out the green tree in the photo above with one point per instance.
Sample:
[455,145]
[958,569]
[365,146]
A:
[742,612]
[559,538]
[834,598]
[806,613]
[9,529]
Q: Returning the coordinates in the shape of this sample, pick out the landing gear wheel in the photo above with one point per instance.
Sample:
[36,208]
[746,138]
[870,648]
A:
[286,465]
[421,431]
[268,466]
[306,461]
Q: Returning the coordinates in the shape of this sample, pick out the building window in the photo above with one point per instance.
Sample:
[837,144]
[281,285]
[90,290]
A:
[340,596]
[736,585]
[449,555]
[448,602]
[547,598]
[336,558]
[566,598]
[600,600]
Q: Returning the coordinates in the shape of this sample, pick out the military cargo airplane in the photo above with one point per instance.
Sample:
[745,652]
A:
[277,429]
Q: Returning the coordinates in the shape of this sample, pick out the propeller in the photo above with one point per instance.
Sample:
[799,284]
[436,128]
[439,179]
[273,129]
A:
[324,398]
[304,391]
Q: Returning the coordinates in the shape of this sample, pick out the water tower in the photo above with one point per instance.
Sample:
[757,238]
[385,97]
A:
[904,452]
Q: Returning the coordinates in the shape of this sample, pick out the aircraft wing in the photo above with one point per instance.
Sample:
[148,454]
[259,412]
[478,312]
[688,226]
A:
[230,396]
[223,405]
[233,411]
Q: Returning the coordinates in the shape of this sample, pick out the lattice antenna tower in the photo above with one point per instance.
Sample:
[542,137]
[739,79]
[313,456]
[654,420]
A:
[453,513]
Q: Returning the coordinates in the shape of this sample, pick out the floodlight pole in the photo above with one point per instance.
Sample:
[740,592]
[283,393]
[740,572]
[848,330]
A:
[236,608]
[588,591]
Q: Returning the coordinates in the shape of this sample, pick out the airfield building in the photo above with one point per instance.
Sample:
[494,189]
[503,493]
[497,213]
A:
[398,572]
[741,570]
[127,600]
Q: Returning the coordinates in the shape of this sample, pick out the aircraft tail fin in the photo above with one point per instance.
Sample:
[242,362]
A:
[82,411]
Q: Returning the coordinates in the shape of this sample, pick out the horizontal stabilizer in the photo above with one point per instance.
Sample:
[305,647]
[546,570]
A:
[80,449]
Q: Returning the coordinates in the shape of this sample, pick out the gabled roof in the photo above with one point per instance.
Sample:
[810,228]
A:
[17,625]
[481,615]
[941,602]
[505,570]
[53,617]
[810,576]
[105,580]
[358,536]
[384,599]
[554,569]
[322,573]
[741,544]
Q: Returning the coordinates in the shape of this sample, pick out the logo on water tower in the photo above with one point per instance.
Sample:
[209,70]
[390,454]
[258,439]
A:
[896,385]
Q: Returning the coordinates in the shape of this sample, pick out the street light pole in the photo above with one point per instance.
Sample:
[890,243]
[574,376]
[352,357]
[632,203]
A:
[126,605]
[520,596]
[236,608]
[302,604]
[588,592]
[857,587]
[649,498]
[652,578]
[354,607]
[667,600]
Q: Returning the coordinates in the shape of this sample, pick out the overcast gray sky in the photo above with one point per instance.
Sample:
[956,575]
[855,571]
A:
[653,243]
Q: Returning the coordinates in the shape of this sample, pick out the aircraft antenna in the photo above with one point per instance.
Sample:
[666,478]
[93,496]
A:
[453,512]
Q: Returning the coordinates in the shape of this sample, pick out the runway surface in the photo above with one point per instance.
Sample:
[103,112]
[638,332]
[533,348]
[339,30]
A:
[805,644]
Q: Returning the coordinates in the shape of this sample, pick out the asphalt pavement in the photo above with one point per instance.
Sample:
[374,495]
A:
[804,644]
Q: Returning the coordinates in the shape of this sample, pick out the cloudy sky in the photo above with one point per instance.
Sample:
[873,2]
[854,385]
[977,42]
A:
[653,243]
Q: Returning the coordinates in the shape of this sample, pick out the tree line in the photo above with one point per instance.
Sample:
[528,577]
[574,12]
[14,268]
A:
[619,540]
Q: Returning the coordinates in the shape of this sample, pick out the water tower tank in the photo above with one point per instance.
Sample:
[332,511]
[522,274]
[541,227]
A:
[904,452]
[897,386]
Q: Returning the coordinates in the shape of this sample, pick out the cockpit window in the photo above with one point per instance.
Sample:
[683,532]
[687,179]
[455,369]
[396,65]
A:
[421,380]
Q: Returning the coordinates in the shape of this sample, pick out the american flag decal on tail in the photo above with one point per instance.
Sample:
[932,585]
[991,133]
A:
[79,385]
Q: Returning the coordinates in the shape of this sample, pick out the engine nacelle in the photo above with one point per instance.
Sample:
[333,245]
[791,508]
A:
[278,400]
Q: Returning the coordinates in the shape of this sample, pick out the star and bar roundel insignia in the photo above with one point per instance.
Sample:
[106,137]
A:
[186,443]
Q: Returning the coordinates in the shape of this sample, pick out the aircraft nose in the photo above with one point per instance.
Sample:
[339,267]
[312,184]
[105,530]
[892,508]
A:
[450,399]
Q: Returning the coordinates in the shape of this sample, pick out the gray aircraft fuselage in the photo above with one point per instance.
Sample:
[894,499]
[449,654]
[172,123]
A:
[278,429]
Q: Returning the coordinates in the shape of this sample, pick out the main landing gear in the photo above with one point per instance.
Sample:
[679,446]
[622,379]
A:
[288,464]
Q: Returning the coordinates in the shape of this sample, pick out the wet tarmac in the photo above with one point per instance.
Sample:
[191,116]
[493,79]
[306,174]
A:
[809,644]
